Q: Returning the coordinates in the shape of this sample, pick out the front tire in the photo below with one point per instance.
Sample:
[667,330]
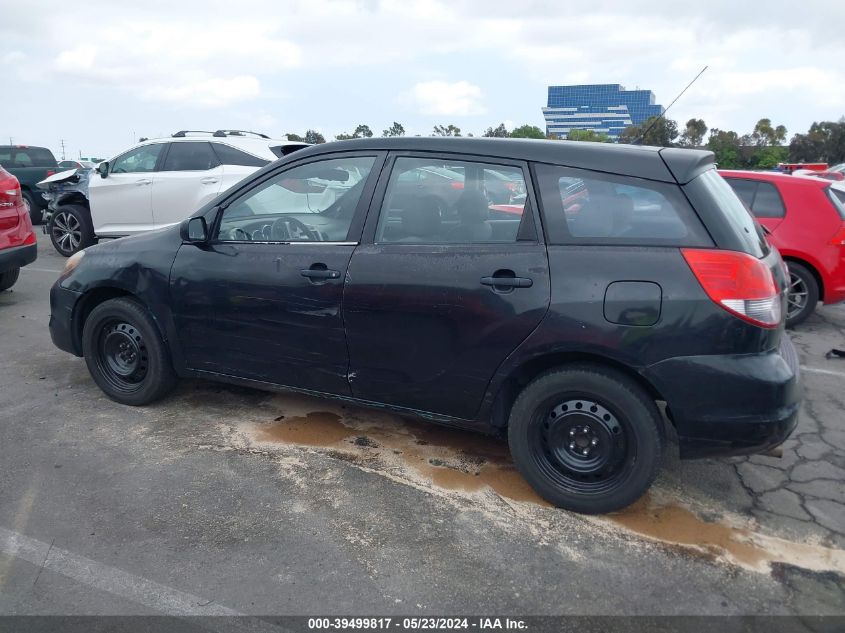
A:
[587,438]
[803,294]
[9,278]
[125,353]
[70,229]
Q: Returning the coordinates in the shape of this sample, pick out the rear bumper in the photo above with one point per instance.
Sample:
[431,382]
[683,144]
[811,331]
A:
[733,404]
[62,304]
[17,256]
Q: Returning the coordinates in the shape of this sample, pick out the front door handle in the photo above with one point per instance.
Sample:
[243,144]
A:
[208,181]
[318,272]
[143,181]
[506,281]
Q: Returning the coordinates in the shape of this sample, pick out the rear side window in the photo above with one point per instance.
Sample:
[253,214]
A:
[838,197]
[228,155]
[588,207]
[190,157]
[436,201]
[762,198]
[32,157]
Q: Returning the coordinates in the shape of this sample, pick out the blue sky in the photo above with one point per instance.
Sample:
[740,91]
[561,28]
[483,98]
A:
[101,74]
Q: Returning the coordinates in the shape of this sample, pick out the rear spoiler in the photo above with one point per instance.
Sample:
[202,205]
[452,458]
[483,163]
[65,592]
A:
[686,164]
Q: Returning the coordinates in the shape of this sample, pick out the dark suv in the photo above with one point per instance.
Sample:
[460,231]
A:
[626,276]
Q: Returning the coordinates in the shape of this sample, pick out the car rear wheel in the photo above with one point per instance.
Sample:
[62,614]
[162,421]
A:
[125,353]
[8,278]
[803,294]
[36,213]
[70,229]
[586,438]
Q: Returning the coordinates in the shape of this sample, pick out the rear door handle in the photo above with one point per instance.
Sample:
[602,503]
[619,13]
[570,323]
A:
[507,282]
[208,181]
[143,181]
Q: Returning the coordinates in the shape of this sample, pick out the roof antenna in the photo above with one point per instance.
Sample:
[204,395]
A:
[666,109]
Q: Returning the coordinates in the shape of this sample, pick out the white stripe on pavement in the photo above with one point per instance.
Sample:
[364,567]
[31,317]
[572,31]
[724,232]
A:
[106,578]
[42,270]
[826,372]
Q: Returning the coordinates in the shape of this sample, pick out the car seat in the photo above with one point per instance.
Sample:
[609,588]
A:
[473,211]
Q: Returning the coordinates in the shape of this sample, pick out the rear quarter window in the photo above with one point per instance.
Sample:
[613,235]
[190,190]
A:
[229,155]
[588,207]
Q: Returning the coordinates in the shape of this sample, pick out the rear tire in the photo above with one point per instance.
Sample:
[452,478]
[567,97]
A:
[587,438]
[125,353]
[8,278]
[36,213]
[71,229]
[803,294]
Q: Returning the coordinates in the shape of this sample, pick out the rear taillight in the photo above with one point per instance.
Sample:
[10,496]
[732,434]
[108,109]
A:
[456,185]
[741,284]
[50,172]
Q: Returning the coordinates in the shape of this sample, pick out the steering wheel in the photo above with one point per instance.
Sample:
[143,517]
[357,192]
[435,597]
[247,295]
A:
[282,229]
[239,235]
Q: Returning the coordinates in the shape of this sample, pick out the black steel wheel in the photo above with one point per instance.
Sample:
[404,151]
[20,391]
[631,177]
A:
[587,438]
[125,353]
[802,295]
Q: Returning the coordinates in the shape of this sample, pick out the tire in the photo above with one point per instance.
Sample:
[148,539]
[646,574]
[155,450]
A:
[36,213]
[803,294]
[8,278]
[125,353]
[587,438]
[70,229]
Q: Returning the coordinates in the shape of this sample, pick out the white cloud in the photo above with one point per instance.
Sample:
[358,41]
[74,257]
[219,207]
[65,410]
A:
[212,92]
[441,98]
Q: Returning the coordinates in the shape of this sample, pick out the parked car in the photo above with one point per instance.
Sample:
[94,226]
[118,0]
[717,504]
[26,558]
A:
[837,172]
[29,165]
[805,217]
[17,239]
[76,164]
[560,330]
[153,184]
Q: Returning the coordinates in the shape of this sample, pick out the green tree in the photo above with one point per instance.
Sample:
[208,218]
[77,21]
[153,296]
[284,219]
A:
[500,131]
[294,137]
[764,135]
[394,130]
[527,131]
[769,157]
[343,136]
[824,141]
[657,131]
[725,144]
[363,131]
[588,135]
[448,130]
[693,133]
[313,136]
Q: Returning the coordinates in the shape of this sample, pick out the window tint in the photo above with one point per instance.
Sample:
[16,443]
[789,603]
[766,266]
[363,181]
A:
[745,189]
[315,202]
[140,159]
[190,157]
[767,202]
[589,207]
[432,201]
[228,155]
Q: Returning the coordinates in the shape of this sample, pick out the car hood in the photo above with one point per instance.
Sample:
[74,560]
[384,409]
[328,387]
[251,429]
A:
[62,176]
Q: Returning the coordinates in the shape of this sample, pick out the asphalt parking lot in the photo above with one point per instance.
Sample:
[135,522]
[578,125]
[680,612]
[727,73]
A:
[227,500]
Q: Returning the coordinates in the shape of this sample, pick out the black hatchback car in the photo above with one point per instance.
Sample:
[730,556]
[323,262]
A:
[623,278]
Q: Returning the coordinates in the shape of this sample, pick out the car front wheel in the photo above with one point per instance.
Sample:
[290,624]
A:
[586,438]
[70,229]
[125,353]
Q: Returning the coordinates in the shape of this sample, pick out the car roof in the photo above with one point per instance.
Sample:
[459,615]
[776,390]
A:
[776,177]
[667,164]
[257,146]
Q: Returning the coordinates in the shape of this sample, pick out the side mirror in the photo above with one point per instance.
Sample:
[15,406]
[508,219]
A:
[194,230]
[103,169]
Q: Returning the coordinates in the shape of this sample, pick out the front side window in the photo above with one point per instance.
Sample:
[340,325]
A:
[190,157]
[141,159]
[432,201]
[315,202]
[590,207]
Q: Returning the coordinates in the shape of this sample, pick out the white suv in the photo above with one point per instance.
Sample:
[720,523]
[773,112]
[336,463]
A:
[154,184]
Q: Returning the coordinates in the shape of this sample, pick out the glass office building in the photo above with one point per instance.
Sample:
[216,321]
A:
[607,108]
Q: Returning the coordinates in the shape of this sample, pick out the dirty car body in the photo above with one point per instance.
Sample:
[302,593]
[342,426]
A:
[561,323]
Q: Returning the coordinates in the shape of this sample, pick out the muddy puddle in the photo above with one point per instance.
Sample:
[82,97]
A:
[460,462]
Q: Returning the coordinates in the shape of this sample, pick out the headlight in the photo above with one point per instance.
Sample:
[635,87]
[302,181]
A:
[72,262]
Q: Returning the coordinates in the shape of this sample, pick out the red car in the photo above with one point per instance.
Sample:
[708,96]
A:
[17,239]
[805,219]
